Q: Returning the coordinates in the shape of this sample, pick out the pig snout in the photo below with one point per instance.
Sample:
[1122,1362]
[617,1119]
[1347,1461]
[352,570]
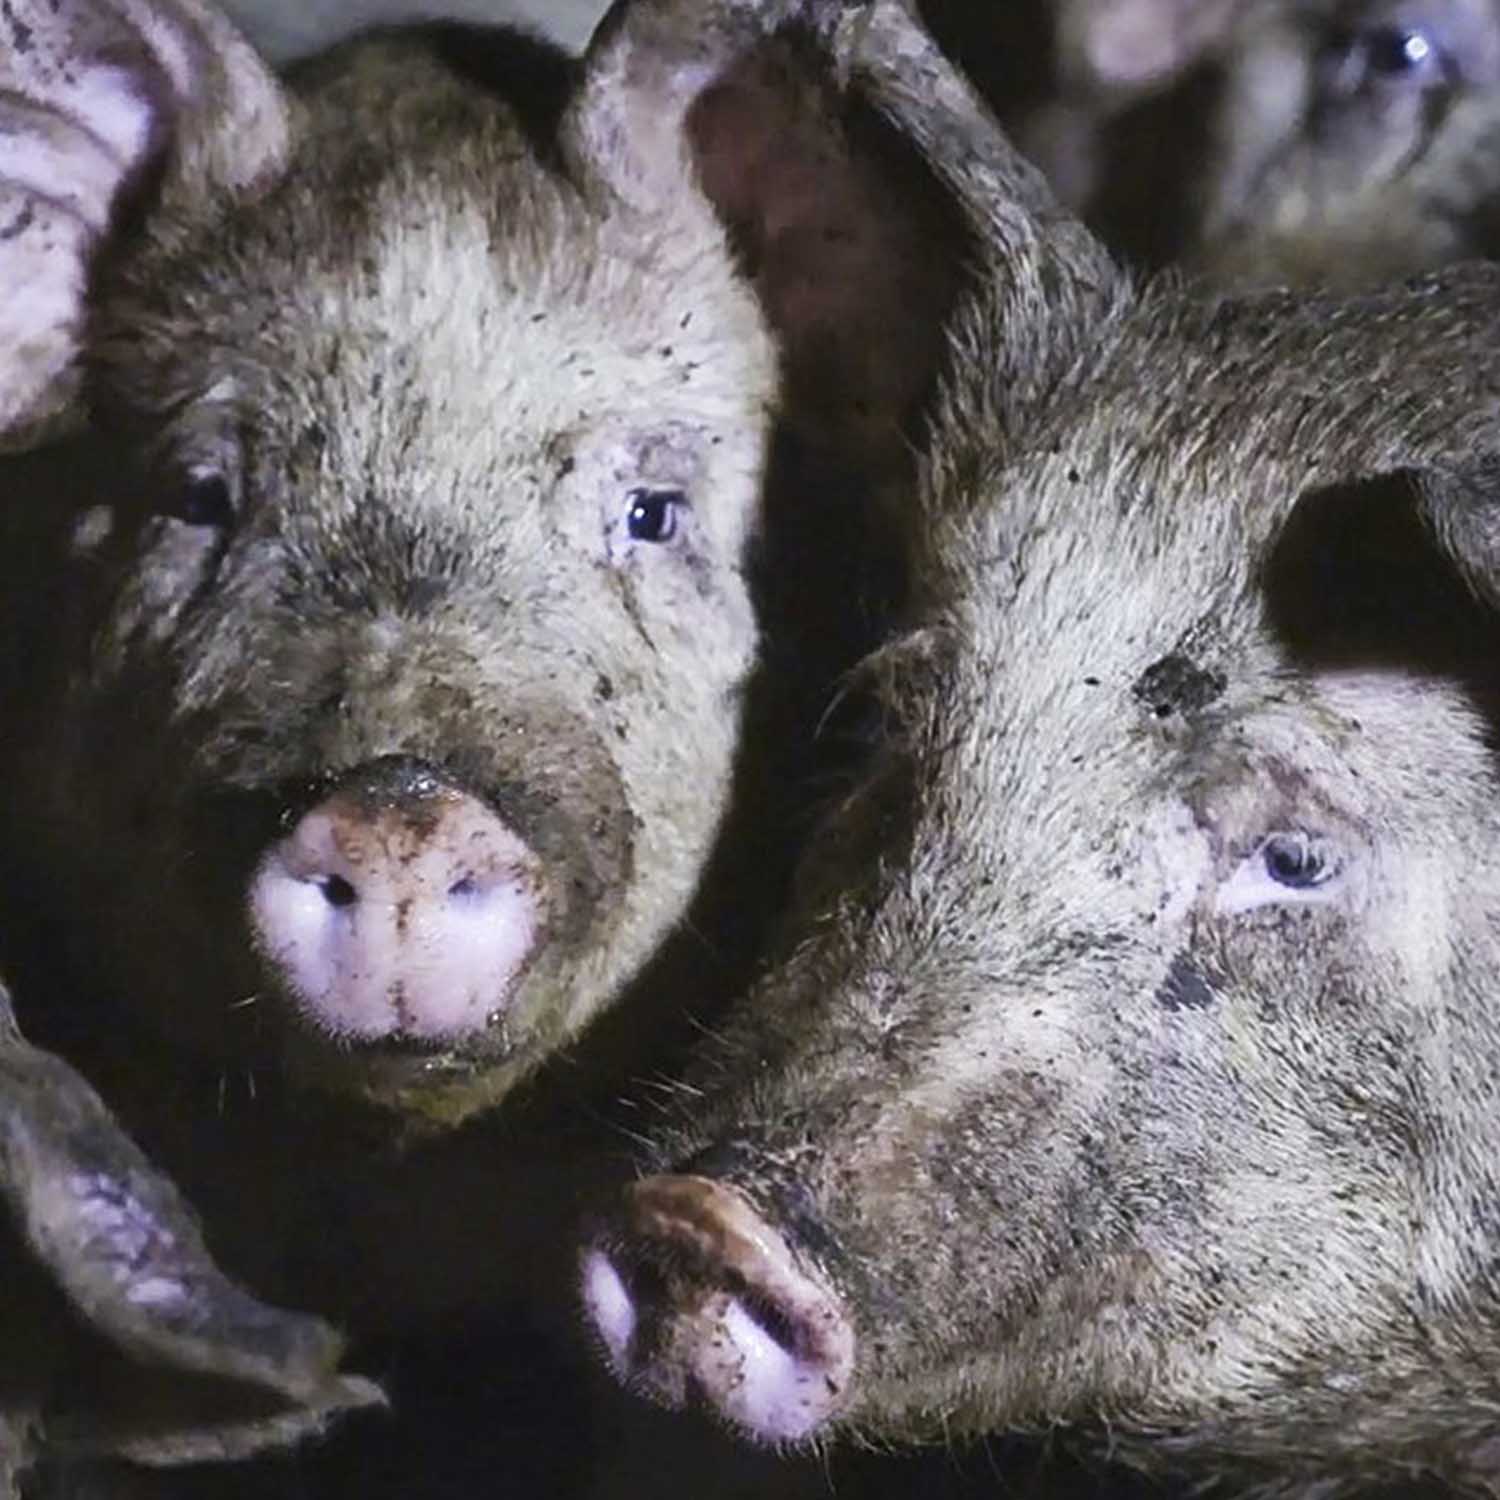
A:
[400,906]
[695,1297]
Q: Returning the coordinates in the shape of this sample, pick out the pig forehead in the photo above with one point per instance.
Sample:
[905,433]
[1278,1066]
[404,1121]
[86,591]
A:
[518,268]
[1146,650]
[449,316]
[1088,747]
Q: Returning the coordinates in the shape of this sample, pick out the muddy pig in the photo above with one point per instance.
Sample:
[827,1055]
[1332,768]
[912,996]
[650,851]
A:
[377,645]
[1132,1069]
[423,596]
[1312,142]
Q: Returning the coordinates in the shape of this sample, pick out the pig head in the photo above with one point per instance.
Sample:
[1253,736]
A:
[1315,144]
[1131,1067]
[394,612]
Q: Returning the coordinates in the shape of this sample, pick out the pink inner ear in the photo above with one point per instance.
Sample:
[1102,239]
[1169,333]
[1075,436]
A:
[733,136]
[855,266]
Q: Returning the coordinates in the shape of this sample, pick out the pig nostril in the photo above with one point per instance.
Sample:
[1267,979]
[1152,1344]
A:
[406,917]
[699,1298]
[772,1321]
[337,891]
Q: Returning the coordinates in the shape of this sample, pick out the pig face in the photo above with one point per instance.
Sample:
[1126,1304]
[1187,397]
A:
[1133,1065]
[1345,144]
[1130,1067]
[1356,142]
[420,577]
[428,612]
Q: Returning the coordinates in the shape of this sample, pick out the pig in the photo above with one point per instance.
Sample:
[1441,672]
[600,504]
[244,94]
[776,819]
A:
[379,630]
[1129,1070]
[1353,144]
[335,575]
[1308,142]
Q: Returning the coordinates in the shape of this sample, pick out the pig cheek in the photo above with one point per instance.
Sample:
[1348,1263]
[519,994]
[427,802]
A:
[954,1213]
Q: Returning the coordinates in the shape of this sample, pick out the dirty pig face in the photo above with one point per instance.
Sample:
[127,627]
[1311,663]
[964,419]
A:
[429,615]
[1128,1062]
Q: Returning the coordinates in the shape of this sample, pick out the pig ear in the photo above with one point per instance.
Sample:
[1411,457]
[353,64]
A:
[736,100]
[1041,282]
[646,65]
[222,118]
[858,176]
[115,1238]
[108,108]
[1344,393]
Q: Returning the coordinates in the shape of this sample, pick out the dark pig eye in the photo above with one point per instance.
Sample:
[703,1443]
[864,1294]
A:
[203,499]
[652,516]
[1386,55]
[1291,860]
[1394,50]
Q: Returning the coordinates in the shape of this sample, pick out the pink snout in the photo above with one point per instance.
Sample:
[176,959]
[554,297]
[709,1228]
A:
[400,906]
[695,1297]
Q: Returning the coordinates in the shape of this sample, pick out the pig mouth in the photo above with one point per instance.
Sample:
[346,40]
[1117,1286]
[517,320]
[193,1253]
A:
[422,1080]
[695,1299]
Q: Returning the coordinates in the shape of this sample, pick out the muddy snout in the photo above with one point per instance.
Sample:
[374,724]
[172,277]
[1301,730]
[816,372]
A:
[399,906]
[697,1299]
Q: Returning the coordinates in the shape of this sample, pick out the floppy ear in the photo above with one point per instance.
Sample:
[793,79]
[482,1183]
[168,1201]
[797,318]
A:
[1040,284]
[740,108]
[1355,392]
[211,1371]
[108,108]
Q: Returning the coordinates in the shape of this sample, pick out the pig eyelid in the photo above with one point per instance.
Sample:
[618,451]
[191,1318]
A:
[1288,867]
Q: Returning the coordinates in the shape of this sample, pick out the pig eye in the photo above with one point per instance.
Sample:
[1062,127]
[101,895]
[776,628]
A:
[1292,860]
[1287,868]
[203,498]
[1386,55]
[652,514]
